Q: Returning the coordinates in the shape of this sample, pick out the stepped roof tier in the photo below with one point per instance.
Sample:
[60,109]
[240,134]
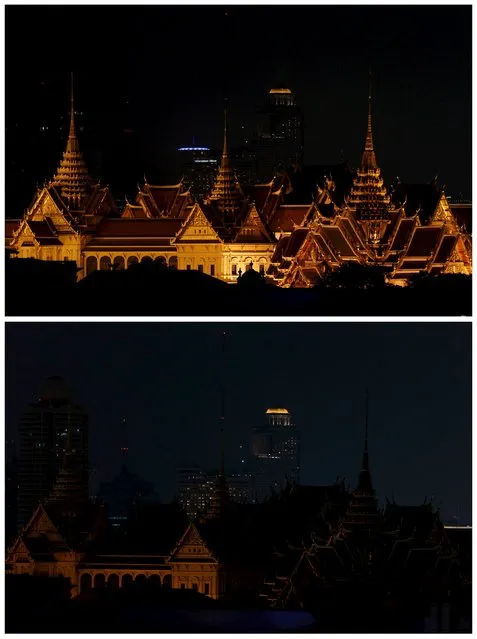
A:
[72,179]
[226,193]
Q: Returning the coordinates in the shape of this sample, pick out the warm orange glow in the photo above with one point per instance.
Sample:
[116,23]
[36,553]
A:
[279,91]
[276,411]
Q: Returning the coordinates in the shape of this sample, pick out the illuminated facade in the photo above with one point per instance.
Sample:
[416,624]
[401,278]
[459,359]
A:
[292,238]
[43,433]
[275,454]
[195,489]
[64,212]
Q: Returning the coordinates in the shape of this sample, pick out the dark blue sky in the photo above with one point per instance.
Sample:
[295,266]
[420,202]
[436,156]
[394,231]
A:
[165,379]
[162,72]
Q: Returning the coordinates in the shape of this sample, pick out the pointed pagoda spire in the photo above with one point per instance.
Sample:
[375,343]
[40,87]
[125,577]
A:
[365,485]
[363,510]
[69,488]
[226,191]
[220,498]
[368,194]
[72,176]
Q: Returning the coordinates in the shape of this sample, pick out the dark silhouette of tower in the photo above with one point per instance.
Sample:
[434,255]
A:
[43,441]
[279,143]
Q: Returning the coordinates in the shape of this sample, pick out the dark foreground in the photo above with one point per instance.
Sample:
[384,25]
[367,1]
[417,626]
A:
[46,288]
[43,605]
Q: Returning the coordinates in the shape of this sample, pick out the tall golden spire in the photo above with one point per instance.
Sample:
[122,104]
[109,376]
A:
[368,194]
[226,191]
[72,175]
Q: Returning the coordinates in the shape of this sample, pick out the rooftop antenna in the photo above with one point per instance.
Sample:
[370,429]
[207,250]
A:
[222,410]
[124,447]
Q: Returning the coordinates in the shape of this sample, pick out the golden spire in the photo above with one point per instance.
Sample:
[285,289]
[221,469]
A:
[72,175]
[226,191]
[369,158]
[368,194]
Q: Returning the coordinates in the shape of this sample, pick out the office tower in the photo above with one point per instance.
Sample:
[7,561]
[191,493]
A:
[195,488]
[198,167]
[43,438]
[279,143]
[275,453]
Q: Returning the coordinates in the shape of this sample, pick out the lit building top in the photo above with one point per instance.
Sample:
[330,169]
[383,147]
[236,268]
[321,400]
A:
[274,91]
[193,148]
[277,411]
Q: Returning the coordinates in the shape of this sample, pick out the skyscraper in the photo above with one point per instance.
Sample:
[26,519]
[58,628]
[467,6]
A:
[279,143]
[43,437]
[195,488]
[275,453]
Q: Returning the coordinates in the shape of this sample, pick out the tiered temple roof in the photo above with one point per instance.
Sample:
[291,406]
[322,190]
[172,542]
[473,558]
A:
[72,179]
[368,195]
[226,193]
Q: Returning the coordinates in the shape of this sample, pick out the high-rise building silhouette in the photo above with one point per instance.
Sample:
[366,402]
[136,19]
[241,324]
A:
[43,439]
[275,453]
[279,142]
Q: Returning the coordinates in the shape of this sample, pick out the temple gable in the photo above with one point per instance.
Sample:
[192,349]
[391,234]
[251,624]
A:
[197,227]
[191,546]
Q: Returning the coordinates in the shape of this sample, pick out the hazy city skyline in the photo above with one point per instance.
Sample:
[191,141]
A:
[165,379]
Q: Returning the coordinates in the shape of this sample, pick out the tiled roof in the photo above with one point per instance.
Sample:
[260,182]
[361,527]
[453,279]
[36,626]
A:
[445,249]
[164,196]
[402,235]
[279,249]
[424,241]
[296,241]
[286,217]
[337,240]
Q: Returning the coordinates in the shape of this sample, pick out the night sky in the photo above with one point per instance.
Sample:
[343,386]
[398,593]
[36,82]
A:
[165,379]
[162,72]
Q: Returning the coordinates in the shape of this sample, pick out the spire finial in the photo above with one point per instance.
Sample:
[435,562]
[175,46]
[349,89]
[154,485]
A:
[72,133]
[369,134]
[225,152]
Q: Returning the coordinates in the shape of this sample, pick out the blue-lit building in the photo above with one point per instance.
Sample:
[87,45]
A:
[198,167]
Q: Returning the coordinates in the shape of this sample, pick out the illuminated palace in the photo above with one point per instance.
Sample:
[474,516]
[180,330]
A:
[291,239]
[299,547]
